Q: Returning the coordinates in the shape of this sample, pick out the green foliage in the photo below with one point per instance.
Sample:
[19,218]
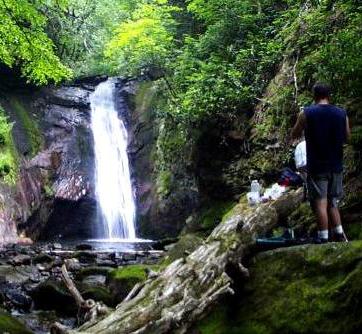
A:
[327,36]
[145,41]
[24,43]
[356,136]
[81,28]
[226,61]
[8,153]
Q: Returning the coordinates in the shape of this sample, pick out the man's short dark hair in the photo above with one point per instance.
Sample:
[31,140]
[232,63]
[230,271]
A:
[321,91]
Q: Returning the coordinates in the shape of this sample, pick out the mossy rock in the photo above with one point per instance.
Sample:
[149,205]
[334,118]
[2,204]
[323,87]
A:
[29,125]
[43,258]
[302,220]
[99,294]
[354,231]
[209,217]
[10,325]
[122,280]
[53,295]
[305,289]
[186,245]
[95,270]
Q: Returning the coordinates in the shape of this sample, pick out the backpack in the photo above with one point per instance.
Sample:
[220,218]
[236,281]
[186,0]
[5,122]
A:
[290,178]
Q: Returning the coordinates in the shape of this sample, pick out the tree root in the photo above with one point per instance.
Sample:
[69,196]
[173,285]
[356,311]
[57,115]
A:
[89,311]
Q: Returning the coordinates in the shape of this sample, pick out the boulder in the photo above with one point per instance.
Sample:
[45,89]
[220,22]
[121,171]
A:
[84,247]
[68,96]
[16,275]
[53,295]
[121,281]
[18,299]
[43,258]
[304,289]
[21,259]
[185,246]
[99,294]
[93,270]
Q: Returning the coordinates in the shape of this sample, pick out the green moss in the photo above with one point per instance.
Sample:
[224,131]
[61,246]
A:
[354,231]
[9,161]
[121,281]
[30,126]
[98,293]
[133,272]
[88,271]
[279,111]
[302,220]
[215,322]
[145,98]
[10,325]
[164,182]
[186,245]
[240,208]
[211,217]
[306,289]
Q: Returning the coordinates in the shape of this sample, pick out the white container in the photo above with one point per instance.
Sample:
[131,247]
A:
[255,187]
[253,198]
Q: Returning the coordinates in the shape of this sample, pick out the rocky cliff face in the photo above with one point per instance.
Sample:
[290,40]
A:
[53,196]
[166,189]
[18,202]
[69,159]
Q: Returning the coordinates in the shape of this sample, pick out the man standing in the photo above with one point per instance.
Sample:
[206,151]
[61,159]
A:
[326,130]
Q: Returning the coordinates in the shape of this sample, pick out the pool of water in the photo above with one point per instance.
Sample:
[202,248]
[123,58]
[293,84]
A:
[111,245]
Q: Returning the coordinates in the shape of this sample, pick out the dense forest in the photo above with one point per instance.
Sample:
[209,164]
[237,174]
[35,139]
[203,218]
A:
[209,90]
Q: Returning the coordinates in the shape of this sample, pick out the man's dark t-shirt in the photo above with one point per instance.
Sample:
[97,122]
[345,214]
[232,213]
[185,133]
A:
[325,134]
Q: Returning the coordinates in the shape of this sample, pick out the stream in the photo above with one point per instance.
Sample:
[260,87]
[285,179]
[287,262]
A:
[31,285]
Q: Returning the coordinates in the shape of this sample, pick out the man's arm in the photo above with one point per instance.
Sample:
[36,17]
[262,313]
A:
[348,129]
[299,126]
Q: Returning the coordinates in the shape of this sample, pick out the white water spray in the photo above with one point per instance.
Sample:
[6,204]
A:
[112,173]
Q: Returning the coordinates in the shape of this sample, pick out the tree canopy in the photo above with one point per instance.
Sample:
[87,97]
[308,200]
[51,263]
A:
[25,44]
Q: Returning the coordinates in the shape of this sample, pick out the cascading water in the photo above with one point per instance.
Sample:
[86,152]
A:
[112,174]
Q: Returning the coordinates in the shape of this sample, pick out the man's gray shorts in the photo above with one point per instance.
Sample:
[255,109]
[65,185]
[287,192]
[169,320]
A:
[325,186]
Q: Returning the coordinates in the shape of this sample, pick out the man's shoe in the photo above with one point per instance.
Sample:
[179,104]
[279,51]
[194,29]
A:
[339,237]
[319,241]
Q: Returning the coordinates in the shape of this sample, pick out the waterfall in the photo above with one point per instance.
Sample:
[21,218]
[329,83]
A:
[112,174]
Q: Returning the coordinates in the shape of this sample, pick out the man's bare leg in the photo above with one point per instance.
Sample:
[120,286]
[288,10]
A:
[336,223]
[320,207]
[321,211]
[334,216]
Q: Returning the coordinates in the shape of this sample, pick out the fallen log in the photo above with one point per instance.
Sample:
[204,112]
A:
[184,291]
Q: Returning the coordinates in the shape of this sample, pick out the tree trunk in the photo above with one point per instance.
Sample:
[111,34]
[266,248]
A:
[185,290]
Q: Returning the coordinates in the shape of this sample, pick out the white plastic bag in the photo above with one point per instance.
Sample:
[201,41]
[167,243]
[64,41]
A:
[300,155]
[274,192]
